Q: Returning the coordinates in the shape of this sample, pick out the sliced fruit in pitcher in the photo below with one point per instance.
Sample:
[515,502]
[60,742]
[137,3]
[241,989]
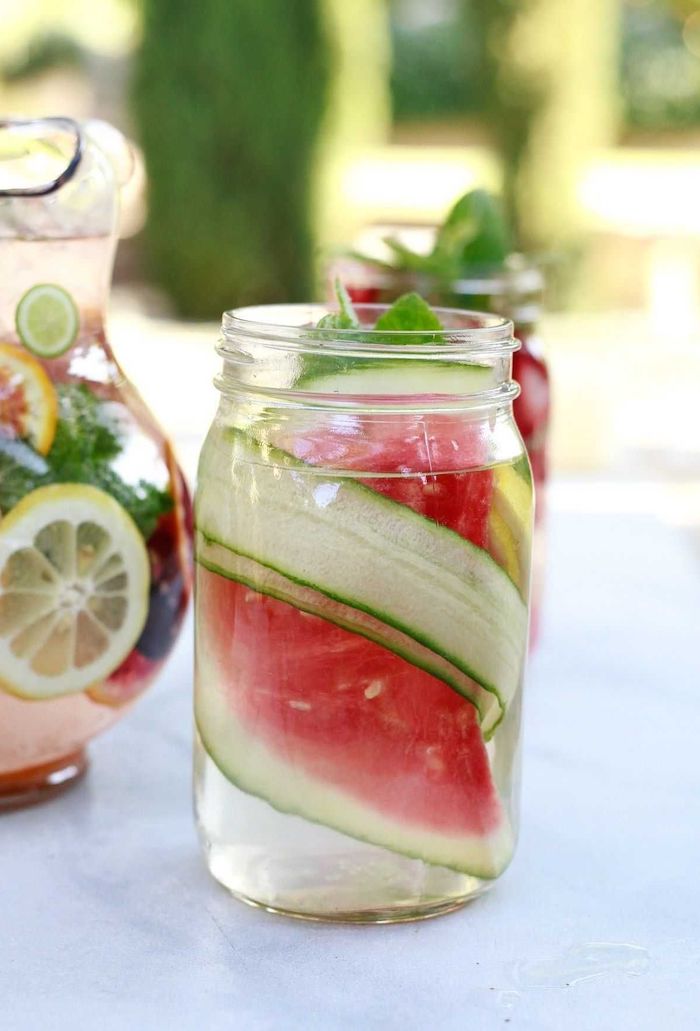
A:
[47,320]
[327,725]
[74,580]
[28,402]
[371,553]
[127,682]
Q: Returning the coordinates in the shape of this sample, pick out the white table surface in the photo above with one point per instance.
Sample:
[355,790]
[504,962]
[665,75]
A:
[110,921]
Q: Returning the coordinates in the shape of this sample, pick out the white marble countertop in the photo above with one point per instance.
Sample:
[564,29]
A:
[110,921]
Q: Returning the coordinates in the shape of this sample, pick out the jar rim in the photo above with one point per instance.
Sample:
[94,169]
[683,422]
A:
[294,327]
[519,273]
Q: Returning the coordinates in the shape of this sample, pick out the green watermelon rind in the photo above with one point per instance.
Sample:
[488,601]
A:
[493,631]
[255,769]
[217,558]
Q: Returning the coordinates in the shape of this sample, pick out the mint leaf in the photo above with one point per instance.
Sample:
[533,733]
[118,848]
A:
[475,232]
[319,364]
[346,306]
[88,439]
[405,258]
[85,435]
[22,470]
[346,318]
[409,313]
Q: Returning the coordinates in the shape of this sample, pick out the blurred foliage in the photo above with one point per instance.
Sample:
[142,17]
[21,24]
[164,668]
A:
[358,113]
[228,99]
[45,51]
[550,72]
[517,92]
[438,69]
[660,64]
[436,64]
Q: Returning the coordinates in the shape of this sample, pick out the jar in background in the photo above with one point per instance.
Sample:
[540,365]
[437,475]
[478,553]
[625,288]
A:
[513,290]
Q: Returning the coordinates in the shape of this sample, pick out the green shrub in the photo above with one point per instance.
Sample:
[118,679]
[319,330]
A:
[228,98]
[436,66]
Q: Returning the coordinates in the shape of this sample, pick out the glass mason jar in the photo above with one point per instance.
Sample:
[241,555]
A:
[513,290]
[363,532]
[95,519]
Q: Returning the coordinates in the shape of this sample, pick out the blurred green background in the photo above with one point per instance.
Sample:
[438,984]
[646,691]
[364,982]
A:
[273,132]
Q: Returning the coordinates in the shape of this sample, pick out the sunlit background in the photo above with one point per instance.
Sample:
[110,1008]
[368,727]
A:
[274,133]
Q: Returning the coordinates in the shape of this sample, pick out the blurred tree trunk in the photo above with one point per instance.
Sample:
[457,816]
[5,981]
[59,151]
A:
[229,98]
[550,72]
[358,114]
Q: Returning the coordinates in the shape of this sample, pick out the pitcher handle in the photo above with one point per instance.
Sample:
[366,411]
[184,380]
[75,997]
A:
[43,189]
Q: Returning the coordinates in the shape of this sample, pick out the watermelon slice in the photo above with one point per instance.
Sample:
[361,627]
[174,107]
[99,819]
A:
[323,723]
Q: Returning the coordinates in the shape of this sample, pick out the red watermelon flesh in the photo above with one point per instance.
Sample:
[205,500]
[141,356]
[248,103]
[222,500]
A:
[352,716]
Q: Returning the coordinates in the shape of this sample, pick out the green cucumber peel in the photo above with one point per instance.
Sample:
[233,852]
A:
[274,583]
[245,760]
[485,860]
[420,578]
[231,756]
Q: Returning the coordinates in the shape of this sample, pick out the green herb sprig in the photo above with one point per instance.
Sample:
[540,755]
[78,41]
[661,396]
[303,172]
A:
[88,440]
[474,235]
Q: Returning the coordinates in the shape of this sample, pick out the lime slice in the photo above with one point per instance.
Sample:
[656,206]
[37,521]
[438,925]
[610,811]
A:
[47,320]
[74,581]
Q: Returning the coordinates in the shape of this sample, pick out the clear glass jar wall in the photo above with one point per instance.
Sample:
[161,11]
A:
[363,538]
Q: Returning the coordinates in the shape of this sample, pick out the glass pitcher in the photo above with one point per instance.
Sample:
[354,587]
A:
[95,518]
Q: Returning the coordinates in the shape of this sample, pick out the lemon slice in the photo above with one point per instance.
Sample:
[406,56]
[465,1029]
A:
[505,547]
[514,495]
[511,513]
[74,580]
[47,320]
[28,404]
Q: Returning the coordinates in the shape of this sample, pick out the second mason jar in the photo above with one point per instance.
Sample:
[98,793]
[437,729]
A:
[364,520]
